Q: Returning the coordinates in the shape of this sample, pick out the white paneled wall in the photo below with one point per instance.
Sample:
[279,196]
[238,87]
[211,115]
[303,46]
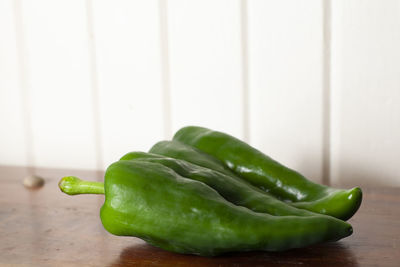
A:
[13,146]
[366,92]
[285,81]
[205,64]
[130,90]
[315,84]
[58,82]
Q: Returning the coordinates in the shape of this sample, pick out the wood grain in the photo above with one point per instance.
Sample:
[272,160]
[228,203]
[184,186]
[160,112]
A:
[47,228]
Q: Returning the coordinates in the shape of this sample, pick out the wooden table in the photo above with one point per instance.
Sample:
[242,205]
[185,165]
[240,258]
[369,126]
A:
[45,227]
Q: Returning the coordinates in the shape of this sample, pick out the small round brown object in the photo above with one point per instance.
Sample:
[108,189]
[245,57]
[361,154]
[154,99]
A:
[33,181]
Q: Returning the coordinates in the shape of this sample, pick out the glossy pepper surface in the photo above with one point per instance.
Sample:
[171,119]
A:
[271,176]
[232,188]
[151,201]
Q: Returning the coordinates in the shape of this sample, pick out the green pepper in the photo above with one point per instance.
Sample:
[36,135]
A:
[232,188]
[271,176]
[151,201]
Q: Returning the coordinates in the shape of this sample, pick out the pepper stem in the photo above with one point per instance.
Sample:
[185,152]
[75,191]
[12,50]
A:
[72,185]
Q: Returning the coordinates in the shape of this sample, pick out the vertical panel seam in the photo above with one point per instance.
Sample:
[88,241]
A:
[23,73]
[94,85]
[165,69]
[245,68]
[326,95]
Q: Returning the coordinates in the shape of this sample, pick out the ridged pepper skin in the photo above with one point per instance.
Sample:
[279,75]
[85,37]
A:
[232,188]
[179,150]
[271,176]
[152,202]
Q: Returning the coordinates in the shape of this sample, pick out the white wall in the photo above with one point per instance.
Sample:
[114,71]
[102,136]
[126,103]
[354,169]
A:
[314,84]
[366,91]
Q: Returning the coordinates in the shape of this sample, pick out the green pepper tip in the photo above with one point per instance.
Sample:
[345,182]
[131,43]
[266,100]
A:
[355,192]
[350,229]
[355,195]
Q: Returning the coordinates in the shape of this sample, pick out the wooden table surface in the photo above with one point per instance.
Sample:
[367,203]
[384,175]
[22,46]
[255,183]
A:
[45,227]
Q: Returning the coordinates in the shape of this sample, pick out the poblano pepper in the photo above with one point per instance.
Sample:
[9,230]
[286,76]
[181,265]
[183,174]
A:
[271,176]
[232,188]
[151,201]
